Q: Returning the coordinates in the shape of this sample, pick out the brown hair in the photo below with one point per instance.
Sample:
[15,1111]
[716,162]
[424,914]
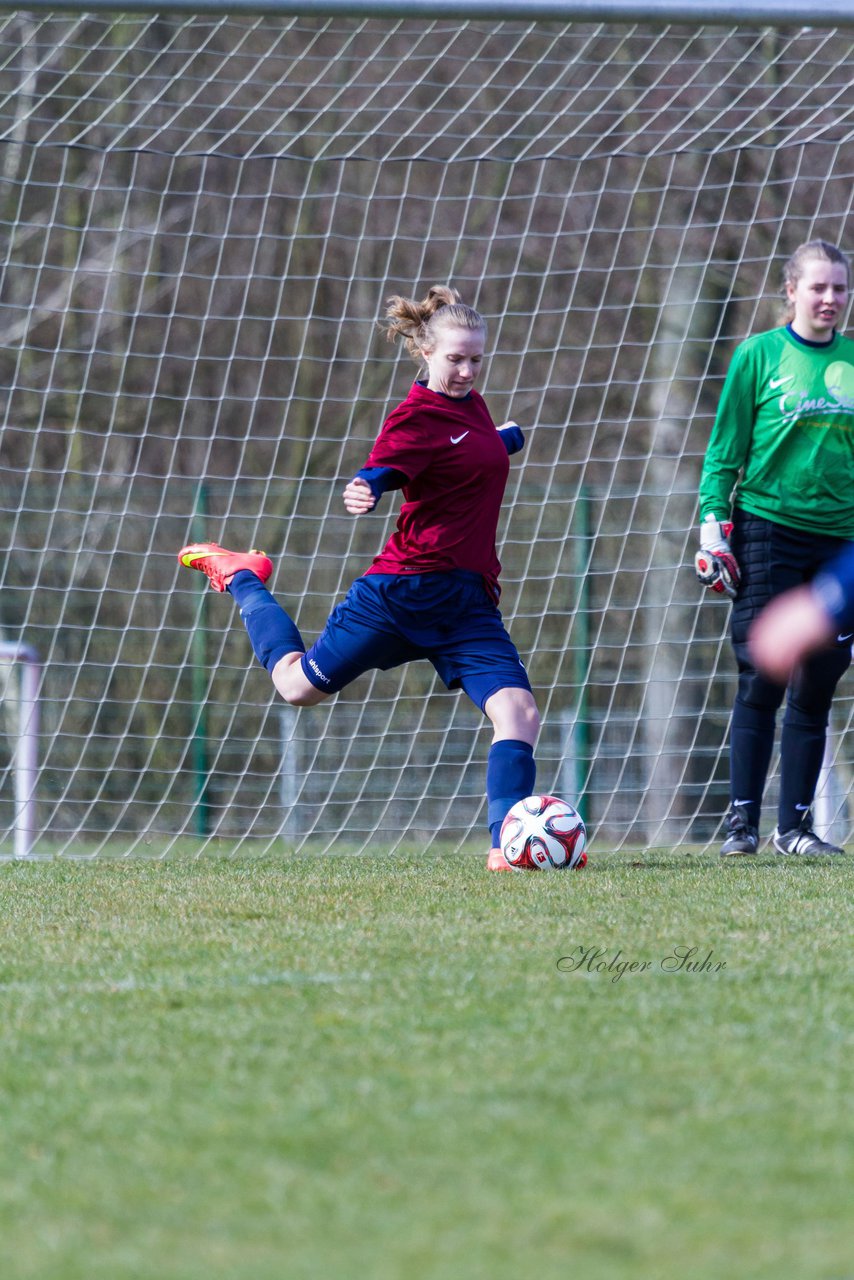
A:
[418,323]
[804,253]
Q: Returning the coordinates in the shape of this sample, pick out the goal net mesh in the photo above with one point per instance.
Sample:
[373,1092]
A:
[202,219]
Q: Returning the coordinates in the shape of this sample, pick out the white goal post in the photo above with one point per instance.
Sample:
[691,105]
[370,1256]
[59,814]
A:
[204,209]
[20,700]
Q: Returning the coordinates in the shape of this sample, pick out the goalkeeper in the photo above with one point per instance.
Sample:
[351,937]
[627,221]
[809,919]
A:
[432,592]
[776,506]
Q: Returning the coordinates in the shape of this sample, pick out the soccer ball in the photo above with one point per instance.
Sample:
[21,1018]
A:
[542,833]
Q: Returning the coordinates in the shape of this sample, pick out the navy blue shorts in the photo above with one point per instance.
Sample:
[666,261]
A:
[388,619]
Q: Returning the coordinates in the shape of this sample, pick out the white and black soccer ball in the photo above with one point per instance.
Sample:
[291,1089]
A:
[543,833]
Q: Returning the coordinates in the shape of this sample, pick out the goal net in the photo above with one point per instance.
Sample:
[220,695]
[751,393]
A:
[202,218]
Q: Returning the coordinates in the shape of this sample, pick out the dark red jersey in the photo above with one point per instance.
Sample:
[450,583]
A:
[456,467]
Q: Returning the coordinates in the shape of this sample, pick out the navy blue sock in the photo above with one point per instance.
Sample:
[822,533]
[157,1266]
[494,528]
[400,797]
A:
[271,632]
[751,746]
[801,757]
[510,776]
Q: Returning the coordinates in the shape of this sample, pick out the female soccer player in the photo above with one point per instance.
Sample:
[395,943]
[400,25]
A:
[783,442]
[432,592]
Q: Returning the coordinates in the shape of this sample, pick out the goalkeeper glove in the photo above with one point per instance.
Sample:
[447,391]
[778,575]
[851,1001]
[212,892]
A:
[716,566]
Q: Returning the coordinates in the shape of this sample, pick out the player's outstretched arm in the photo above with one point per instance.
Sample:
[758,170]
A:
[801,621]
[787,630]
[367,487]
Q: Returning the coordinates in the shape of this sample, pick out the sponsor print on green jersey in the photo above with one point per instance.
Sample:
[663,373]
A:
[839,380]
[827,417]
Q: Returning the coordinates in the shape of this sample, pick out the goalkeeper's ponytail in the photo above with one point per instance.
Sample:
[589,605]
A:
[418,323]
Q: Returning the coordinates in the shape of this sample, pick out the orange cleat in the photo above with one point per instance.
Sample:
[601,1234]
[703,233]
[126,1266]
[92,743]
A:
[496,861]
[221,565]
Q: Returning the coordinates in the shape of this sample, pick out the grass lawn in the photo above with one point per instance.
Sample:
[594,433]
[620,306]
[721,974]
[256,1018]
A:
[402,1068]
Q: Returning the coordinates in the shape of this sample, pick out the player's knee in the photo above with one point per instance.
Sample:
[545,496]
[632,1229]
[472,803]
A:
[305,697]
[814,685]
[292,684]
[514,714]
[810,717]
[531,716]
[754,690]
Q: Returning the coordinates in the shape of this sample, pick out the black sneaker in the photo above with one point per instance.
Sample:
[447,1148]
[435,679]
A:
[741,836]
[804,841]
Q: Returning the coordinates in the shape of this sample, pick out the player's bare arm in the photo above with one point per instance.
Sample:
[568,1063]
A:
[790,627]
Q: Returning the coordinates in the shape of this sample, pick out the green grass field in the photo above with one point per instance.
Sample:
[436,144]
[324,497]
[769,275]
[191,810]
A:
[393,1068]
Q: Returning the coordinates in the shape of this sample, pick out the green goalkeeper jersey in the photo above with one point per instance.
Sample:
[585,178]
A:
[782,445]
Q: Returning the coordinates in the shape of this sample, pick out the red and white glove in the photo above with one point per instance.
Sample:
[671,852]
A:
[716,566]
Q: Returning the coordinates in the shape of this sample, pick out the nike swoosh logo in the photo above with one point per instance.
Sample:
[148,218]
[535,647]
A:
[842,639]
[774,383]
[189,560]
[457,439]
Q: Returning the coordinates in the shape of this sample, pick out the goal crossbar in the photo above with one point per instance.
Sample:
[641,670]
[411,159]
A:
[770,13]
